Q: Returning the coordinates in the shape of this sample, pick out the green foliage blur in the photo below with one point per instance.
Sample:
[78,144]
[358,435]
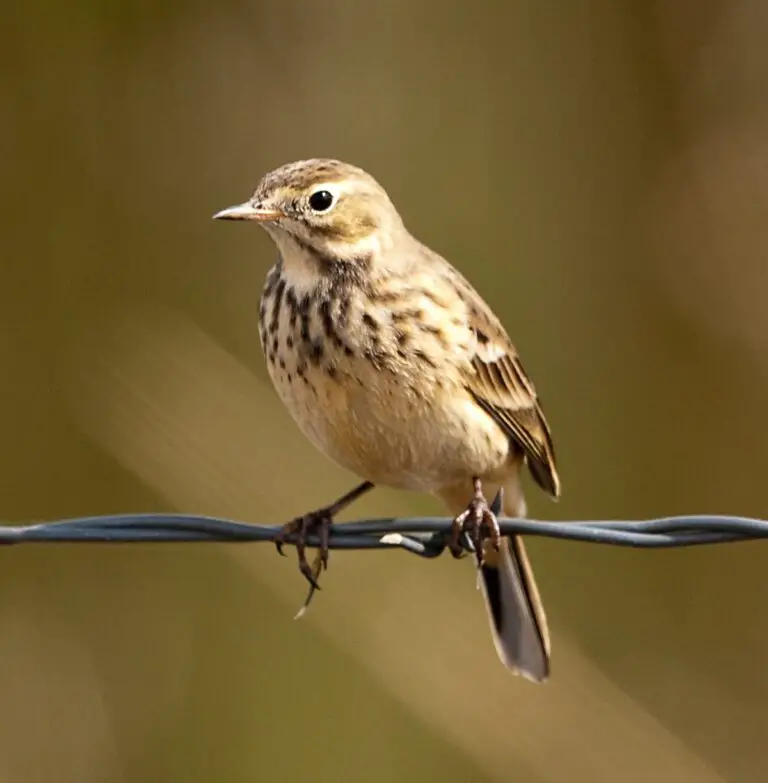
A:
[599,171]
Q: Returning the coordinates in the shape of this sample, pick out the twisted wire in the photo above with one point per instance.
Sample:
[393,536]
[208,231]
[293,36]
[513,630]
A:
[423,536]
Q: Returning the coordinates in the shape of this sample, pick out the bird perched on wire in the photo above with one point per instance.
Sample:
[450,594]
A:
[394,367]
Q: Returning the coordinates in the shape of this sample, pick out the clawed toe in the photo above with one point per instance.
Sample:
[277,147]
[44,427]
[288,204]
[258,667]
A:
[314,523]
[478,520]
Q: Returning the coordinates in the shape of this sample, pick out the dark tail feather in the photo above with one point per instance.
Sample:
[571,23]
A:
[518,623]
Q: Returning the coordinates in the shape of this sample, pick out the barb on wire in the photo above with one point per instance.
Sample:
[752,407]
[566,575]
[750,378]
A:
[423,536]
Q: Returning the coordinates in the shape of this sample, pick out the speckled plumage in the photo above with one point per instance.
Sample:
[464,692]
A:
[394,366]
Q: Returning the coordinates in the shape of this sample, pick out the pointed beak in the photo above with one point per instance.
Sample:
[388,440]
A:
[248,211]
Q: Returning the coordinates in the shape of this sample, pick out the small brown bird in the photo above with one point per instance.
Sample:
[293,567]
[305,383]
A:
[395,368]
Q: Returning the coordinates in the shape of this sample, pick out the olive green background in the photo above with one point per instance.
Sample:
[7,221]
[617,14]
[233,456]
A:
[599,170]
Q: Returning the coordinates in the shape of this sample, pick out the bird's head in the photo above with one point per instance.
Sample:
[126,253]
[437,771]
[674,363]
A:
[322,208]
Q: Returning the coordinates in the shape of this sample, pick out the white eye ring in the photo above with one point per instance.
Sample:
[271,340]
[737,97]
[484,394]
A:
[322,199]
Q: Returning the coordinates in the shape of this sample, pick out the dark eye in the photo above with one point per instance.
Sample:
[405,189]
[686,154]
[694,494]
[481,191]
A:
[321,200]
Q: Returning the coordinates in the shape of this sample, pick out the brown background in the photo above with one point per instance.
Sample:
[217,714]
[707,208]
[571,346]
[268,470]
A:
[599,170]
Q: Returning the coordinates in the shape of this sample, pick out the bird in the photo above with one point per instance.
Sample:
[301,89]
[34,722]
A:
[394,367]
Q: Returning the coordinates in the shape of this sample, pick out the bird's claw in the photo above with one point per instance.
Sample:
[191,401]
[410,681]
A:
[477,521]
[318,523]
[315,522]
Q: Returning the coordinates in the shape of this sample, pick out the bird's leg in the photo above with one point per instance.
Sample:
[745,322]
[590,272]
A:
[476,519]
[318,522]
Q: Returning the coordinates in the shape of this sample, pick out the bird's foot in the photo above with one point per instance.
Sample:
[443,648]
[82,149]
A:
[315,523]
[478,521]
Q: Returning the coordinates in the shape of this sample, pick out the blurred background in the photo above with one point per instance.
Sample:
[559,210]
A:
[599,171]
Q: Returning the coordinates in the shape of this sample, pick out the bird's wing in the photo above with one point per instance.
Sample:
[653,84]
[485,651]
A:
[502,388]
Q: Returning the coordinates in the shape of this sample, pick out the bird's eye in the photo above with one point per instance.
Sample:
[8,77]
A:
[321,200]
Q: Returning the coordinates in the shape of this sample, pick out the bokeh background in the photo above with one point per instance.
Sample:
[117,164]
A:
[599,170]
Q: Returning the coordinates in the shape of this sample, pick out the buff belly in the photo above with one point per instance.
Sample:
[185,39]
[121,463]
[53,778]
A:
[376,425]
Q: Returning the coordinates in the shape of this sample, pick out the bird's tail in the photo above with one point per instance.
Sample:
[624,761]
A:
[518,623]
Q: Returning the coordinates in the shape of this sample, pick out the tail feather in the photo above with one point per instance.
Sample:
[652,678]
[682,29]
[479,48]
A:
[518,623]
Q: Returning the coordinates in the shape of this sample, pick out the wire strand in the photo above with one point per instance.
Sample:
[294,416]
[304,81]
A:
[424,536]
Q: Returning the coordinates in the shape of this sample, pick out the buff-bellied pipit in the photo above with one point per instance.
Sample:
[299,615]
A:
[394,367]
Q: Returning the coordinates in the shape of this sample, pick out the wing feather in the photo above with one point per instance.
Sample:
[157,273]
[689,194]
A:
[496,378]
[503,389]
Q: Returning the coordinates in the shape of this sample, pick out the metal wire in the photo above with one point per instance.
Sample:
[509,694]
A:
[423,536]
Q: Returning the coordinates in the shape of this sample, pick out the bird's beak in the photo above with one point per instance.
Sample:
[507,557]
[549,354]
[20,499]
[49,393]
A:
[248,211]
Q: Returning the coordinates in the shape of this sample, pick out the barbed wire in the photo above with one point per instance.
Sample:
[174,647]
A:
[423,536]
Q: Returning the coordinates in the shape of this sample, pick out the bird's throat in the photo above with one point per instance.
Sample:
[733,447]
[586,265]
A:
[307,268]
